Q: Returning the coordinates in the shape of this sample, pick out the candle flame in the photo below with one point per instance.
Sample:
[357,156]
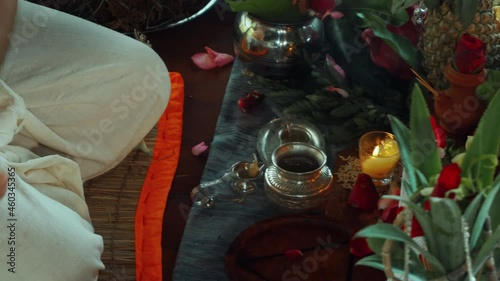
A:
[376,150]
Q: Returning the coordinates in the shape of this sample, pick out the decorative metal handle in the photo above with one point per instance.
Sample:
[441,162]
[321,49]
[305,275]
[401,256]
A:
[200,195]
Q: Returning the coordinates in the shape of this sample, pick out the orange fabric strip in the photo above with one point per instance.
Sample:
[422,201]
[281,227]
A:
[154,194]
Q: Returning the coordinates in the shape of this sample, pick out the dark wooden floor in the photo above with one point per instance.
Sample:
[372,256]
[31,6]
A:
[204,92]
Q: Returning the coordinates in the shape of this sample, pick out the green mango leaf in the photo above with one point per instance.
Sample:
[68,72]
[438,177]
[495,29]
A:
[423,219]
[403,137]
[446,220]
[475,166]
[390,231]
[424,150]
[401,5]
[468,10]
[282,11]
[482,216]
[381,8]
[486,250]
[398,43]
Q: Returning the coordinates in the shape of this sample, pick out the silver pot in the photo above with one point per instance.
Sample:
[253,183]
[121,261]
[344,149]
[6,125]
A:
[298,178]
[276,50]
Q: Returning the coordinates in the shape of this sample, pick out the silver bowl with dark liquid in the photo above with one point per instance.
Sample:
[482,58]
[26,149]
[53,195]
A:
[298,178]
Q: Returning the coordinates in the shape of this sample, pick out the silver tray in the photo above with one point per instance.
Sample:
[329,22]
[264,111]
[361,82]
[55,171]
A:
[278,131]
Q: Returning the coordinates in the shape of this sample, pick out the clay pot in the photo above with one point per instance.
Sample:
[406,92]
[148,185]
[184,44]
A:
[458,109]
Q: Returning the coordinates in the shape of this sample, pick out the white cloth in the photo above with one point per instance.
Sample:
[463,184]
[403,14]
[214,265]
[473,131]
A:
[75,99]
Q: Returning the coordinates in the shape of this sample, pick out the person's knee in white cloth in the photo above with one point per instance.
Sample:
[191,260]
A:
[84,92]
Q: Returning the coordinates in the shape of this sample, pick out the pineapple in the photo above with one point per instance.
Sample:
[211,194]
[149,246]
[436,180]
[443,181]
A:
[442,29]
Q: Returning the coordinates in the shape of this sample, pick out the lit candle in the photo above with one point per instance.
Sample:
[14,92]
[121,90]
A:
[378,166]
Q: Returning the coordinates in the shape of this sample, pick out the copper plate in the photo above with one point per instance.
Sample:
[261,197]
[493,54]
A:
[258,252]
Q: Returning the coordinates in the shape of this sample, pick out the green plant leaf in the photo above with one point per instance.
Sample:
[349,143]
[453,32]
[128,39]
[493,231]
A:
[423,219]
[403,137]
[495,206]
[468,10]
[432,4]
[389,231]
[446,220]
[401,5]
[398,43]
[417,272]
[475,166]
[473,208]
[482,216]
[486,250]
[424,150]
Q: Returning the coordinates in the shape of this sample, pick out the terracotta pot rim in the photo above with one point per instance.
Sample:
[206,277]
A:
[464,80]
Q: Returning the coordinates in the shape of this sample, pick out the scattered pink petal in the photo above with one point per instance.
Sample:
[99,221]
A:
[335,69]
[219,59]
[333,14]
[340,91]
[294,254]
[211,59]
[199,148]
[203,61]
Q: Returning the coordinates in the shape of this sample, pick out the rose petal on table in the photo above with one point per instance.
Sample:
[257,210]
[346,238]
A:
[364,195]
[220,59]
[335,69]
[340,91]
[293,254]
[203,61]
[199,148]
[359,247]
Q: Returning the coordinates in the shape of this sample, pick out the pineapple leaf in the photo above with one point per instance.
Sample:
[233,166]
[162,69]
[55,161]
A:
[468,10]
[403,137]
[475,165]
[390,231]
[423,219]
[398,43]
[424,151]
[417,273]
[446,222]
[482,216]
[473,208]
[486,250]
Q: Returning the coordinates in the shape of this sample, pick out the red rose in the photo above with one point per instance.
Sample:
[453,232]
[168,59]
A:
[470,54]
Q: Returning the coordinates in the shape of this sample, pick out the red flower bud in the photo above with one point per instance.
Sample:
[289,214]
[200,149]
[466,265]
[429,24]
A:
[449,179]
[364,194]
[439,133]
[470,54]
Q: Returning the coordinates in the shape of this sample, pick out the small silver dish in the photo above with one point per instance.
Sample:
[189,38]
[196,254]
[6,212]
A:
[287,130]
[242,182]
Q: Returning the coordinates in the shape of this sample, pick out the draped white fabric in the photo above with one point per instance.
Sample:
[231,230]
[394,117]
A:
[75,99]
